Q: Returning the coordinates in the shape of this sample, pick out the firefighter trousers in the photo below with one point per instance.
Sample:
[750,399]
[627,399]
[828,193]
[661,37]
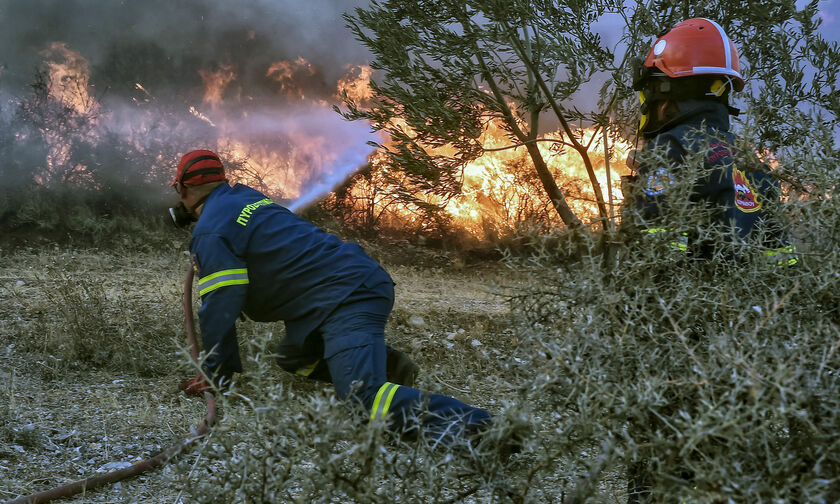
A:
[349,349]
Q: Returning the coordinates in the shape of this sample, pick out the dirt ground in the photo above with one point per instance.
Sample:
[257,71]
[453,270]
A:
[91,352]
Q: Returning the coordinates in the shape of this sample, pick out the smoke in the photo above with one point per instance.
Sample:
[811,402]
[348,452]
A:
[187,34]
[259,75]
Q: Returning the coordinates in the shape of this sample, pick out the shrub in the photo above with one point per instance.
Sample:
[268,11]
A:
[284,439]
[718,376]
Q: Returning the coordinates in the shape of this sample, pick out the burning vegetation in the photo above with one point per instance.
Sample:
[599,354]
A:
[739,360]
[499,193]
[70,134]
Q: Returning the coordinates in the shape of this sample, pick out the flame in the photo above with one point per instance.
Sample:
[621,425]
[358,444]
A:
[69,78]
[299,149]
[500,189]
[68,83]
[356,83]
[195,112]
[215,83]
[264,166]
[288,74]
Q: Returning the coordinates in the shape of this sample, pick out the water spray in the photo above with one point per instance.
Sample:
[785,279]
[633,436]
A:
[335,148]
[338,172]
[151,463]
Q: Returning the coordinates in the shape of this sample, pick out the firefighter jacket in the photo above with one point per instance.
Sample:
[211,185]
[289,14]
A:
[738,197]
[255,257]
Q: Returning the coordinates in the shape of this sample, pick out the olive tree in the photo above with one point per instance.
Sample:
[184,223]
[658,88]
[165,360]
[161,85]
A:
[450,67]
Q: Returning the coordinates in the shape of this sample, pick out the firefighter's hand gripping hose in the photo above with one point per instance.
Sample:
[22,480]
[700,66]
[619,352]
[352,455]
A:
[155,461]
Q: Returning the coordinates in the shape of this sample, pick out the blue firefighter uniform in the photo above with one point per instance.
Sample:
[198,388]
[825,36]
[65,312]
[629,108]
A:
[737,196]
[258,258]
[738,201]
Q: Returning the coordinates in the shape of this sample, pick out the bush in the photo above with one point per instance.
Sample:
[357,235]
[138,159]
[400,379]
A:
[716,378]
[297,444]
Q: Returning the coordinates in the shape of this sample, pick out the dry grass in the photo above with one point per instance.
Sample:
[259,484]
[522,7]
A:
[90,352]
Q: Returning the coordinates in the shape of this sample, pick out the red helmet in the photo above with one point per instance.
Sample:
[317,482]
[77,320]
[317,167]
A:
[696,46]
[199,167]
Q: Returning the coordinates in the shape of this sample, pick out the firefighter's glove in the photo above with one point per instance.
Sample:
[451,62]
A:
[195,387]
[199,385]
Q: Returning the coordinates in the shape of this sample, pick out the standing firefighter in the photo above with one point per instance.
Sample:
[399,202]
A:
[684,85]
[255,257]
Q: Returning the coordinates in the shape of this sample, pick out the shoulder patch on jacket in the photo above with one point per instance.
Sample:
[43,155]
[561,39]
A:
[194,261]
[746,199]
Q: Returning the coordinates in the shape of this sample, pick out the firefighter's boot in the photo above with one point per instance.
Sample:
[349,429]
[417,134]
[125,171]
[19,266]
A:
[400,369]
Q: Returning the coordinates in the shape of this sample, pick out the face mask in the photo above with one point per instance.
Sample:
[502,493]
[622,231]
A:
[181,217]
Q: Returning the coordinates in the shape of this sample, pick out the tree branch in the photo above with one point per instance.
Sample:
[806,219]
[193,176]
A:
[596,186]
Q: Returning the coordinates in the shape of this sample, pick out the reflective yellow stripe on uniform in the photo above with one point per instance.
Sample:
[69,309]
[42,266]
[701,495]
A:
[681,243]
[222,279]
[383,400]
[307,370]
[782,256]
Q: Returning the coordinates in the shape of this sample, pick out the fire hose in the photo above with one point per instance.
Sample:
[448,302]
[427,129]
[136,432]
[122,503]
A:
[150,463]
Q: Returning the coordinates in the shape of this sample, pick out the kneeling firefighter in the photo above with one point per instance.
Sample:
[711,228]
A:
[255,257]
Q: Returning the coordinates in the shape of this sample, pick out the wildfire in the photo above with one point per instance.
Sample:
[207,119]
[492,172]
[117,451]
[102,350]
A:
[67,83]
[195,112]
[356,83]
[69,78]
[289,75]
[215,83]
[501,191]
[279,170]
[299,148]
